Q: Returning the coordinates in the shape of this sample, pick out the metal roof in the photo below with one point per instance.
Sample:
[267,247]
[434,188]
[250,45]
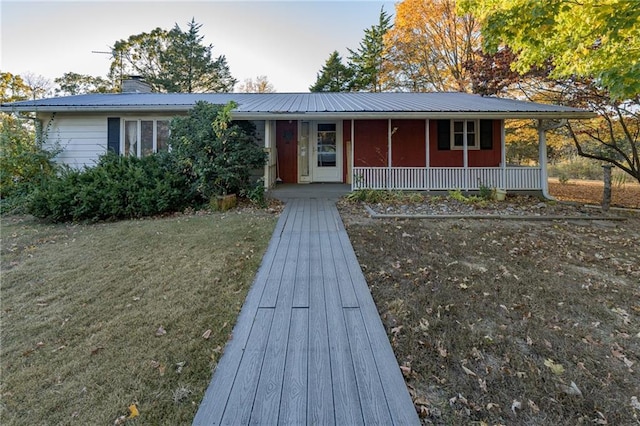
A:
[296,105]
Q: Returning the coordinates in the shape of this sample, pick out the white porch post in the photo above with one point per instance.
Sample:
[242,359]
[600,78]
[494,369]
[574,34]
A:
[465,155]
[542,159]
[427,154]
[353,165]
[267,146]
[389,153]
[503,148]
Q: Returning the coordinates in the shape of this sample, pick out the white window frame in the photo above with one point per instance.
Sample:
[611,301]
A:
[138,120]
[471,145]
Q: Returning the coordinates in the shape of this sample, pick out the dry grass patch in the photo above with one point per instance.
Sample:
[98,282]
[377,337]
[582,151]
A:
[96,318]
[509,322]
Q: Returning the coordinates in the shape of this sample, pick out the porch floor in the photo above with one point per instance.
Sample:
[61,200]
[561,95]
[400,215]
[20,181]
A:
[285,191]
[309,346]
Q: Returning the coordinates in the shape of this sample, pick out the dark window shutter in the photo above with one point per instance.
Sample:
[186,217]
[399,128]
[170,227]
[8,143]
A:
[486,134]
[113,134]
[444,135]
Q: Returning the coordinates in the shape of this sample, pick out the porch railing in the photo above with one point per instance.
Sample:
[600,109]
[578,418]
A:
[446,178]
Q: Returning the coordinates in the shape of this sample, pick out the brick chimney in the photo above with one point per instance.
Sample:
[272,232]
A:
[135,84]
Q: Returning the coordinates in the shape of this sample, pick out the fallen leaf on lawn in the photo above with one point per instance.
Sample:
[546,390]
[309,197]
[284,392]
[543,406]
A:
[634,403]
[133,411]
[515,405]
[555,368]
[206,334]
[406,370]
[179,366]
[424,324]
[533,406]
[468,372]
[120,420]
[463,286]
[441,350]
[483,385]
[396,330]
[572,389]
[95,351]
[160,331]
[491,406]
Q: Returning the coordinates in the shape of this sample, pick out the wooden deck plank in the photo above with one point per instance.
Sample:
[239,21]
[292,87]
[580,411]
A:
[348,297]
[242,395]
[281,265]
[372,397]
[345,390]
[216,396]
[320,401]
[293,404]
[301,289]
[398,398]
[268,395]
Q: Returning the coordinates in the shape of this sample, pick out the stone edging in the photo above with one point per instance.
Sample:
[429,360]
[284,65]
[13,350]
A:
[375,215]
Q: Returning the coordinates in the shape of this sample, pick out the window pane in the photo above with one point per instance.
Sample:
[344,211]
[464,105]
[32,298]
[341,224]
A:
[162,135]
[326,145]
[471,126]
[146,136]
[458,126]
[458,140]
[131,138]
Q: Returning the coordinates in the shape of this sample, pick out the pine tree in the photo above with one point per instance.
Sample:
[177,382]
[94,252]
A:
[367,62]
[334,76]
[187,65]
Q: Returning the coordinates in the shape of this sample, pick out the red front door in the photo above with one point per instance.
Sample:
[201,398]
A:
[287,146]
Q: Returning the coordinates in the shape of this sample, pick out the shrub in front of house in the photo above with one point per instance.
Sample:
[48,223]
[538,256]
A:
[217,154]
[116,188]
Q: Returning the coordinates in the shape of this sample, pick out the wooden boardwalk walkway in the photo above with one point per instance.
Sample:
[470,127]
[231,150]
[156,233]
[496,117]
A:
[309,346]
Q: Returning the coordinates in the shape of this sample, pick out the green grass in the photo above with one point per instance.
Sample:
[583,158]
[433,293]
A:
[81,305]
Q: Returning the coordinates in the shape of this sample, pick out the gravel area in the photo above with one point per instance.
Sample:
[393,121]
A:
[514,205]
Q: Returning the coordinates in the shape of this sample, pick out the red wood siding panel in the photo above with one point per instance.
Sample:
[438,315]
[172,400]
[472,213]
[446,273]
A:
[370,148]
[346,136]
[287,146]
[454,158]
[408,147]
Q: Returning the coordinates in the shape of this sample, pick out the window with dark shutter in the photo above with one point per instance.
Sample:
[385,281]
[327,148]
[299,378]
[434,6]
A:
[486,134]
[444,135]
[113,134]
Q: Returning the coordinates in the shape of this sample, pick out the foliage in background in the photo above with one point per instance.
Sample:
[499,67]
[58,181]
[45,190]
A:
[116,188]
[72,83]
[590,38]
[334,76]
[429,45]
[12,88]
[368,61]
[172,61]
[260,85]
[24,162]
[582,54]
[216,154]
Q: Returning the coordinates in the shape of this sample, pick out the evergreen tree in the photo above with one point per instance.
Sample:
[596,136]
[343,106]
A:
[172,61]
[187,66]
[334,76]
[367,62]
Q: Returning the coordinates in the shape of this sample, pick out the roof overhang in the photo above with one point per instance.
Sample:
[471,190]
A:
[342,115]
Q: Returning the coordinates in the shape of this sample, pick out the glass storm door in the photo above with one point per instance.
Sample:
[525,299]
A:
[327,153]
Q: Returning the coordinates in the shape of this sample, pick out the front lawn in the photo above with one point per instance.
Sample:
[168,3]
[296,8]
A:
[98,318]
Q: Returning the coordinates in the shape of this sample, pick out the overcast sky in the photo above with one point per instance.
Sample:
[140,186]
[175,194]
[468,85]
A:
[287,41]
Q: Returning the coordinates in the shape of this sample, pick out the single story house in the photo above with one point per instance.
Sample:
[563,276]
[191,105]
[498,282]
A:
[419,141]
